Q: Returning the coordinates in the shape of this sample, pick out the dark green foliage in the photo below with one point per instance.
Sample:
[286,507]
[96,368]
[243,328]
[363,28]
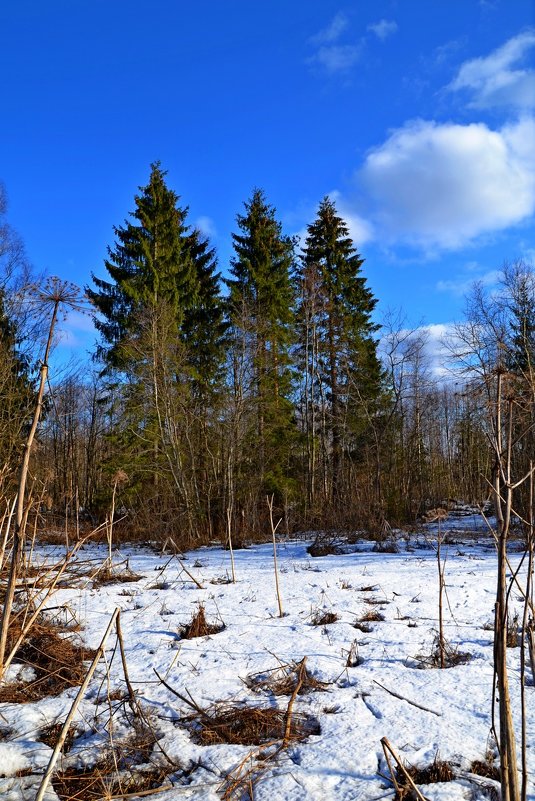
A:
[204,327]
[343,380]
[151,262]
[345,304]
[16,392]
[520,285]
[262,318]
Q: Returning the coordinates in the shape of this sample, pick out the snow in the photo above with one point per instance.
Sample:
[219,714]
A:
[359,707]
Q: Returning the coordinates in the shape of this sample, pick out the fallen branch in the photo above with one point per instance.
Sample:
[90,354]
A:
[412,703]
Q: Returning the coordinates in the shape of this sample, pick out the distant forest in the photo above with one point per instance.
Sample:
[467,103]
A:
[210,396]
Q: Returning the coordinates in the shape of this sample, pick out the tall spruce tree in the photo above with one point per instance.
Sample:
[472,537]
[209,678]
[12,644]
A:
[261,314]
[16,393]
[342,372]
[204,327]
[519,299]
[150,262]
[162,327]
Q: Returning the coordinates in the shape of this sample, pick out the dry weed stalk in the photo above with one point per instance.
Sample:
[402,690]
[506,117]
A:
[75,704]
[229,541]
[284,679]
[119,479]
[35,605]
[55,294]
[401,791]
[273,533]
[5,537]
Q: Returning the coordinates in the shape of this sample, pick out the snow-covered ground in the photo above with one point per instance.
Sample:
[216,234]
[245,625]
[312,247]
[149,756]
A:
[360,704]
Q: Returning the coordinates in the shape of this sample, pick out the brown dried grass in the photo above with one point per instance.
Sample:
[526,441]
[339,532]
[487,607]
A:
[371,617]
[452,655]
[242,725]
[284,679]
[50,734]
[485,769]
[57,661]
[320,617]
[513,628]
[109,575]
[437,771]
[127,767]
[90,784]
[325,545]
[199,626]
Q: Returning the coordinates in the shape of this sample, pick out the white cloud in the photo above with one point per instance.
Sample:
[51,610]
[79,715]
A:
[436,348]
[333,31]
[80,321]
[206,226]
[330,54]
[423,347]
[337,58]
[498,80]
[360,230]
[444,185]
[462,286]
[384,28]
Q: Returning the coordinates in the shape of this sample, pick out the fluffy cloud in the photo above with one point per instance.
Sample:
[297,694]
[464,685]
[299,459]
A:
[360,230]
[206,226]
[384,28]
[443,185]
[337,58]
[461,287]
[331,55]
[333,30]
[498,80]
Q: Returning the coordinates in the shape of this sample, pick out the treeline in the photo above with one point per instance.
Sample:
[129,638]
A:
[208,395]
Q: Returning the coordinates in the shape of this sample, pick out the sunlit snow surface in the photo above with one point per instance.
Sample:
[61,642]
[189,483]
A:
[343,762]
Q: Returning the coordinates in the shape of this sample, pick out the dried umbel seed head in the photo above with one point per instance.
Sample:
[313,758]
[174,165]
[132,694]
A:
[119,478]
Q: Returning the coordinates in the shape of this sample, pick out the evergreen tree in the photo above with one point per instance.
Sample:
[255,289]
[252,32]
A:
[16,392]
[261,314]
[151,262]
[204,326]
[519,298]
[338,350]
[162,326]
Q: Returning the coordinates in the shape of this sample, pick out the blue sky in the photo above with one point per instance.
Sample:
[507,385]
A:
[416,115]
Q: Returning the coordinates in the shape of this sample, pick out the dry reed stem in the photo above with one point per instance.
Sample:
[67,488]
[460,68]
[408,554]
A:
[74,707]
[301,673]
[388,749]
[43,598]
